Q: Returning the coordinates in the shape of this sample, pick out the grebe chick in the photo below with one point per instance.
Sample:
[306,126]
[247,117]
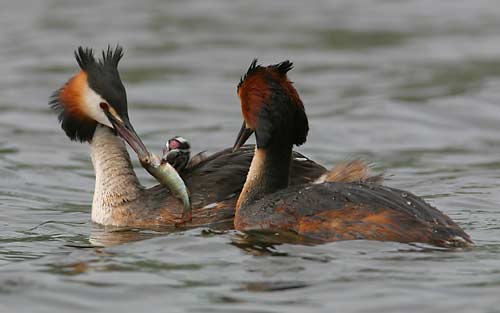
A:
[92,108]
[324,210]
[177,152]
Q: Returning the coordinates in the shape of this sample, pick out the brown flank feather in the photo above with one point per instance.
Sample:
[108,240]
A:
[356,171]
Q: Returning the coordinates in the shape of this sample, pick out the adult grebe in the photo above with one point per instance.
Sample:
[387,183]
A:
[323,210]
[92,108]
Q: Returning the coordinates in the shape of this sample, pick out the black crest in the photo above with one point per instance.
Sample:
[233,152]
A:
[283,67]
[251,69]
[85,58]
[104,79]
[110,58]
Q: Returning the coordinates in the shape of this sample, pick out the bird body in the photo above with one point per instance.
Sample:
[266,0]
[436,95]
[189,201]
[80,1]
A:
[92,107]
[326,209]
[215,183]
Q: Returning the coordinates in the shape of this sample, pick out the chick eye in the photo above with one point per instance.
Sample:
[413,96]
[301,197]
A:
[104,106]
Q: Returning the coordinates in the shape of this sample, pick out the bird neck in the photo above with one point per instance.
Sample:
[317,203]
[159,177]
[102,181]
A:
[116,183]
[268,173]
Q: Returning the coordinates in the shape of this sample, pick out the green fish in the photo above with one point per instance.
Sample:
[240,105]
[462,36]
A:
[168,176]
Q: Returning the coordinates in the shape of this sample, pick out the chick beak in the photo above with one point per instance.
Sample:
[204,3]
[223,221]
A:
[242,137]
[125,130]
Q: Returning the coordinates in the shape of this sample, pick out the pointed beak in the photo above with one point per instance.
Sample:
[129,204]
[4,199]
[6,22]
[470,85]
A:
[243,136]
[164,173]
[125,130]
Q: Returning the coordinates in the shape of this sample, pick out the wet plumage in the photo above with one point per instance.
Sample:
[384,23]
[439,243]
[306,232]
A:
[349,211]
[346,203]
[92,107]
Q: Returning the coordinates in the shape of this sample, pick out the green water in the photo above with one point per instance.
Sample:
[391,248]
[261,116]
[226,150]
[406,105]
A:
[412,86]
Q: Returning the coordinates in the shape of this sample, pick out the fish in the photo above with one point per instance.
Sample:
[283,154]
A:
[166,175]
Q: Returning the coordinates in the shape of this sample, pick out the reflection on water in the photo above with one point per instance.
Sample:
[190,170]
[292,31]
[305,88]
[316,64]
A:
[106,237]
[412,86]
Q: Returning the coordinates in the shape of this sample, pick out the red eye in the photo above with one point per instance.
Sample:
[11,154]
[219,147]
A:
[104,106]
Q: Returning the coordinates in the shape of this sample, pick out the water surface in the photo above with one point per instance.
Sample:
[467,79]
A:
[412,86]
